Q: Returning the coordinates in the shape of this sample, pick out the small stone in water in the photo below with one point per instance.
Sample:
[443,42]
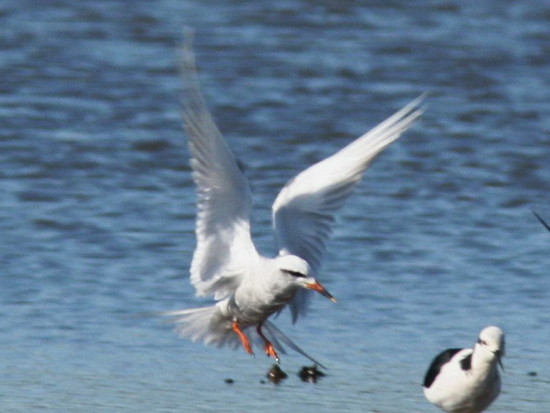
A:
[310,374]
[275,374]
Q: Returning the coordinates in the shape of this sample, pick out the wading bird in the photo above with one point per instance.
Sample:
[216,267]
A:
[467,380]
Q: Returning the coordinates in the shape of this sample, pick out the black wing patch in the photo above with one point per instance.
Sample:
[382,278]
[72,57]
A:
[466,362]
[443,358]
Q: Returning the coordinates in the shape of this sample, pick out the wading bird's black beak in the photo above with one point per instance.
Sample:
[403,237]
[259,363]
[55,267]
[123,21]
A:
[498,353]
[316,286]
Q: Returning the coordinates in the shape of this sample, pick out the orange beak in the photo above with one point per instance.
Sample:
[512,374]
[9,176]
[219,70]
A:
[316,286]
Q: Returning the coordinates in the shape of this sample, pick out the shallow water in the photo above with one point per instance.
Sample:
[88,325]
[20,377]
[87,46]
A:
[97,212]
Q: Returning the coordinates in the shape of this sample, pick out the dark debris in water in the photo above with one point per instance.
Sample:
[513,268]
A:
[229,381]
[275,374]
[310,374]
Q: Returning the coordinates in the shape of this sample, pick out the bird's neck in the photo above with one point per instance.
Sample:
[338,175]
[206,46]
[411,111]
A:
[483,362]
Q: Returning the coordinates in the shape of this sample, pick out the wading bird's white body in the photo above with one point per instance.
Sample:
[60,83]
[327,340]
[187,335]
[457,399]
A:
[467,380]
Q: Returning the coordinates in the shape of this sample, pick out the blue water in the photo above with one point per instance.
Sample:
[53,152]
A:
[97,205]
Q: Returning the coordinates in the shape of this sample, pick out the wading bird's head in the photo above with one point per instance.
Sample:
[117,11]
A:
[491,340]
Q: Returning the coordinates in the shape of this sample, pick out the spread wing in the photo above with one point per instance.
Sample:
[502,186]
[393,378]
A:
[224,245]
[304,209]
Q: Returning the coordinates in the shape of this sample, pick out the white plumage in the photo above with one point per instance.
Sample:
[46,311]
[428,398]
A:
[248,287]
[467,380]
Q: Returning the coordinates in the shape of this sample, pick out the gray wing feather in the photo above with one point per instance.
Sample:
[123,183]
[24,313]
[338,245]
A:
[223,237]
[303,212]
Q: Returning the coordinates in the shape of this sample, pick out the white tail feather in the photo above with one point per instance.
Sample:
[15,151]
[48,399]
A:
[204,324]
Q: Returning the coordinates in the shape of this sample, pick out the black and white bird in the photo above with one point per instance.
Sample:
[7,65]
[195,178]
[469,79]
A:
[467,380]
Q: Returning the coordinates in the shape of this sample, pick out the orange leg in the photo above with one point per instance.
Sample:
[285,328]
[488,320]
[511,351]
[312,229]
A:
[269,349]
[243,337]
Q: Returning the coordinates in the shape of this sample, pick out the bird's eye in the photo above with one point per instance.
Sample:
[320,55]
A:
[295,274]
[482,342]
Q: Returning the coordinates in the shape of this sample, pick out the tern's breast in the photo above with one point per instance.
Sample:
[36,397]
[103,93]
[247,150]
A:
[257,298]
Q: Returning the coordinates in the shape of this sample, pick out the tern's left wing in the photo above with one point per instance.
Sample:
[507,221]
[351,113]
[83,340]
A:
[304,209]
[224,245]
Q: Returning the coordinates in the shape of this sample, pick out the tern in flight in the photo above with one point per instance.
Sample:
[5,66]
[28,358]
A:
[247,287]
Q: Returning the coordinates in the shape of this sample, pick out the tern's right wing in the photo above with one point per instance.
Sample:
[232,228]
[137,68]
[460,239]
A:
[304,210]
[224,245]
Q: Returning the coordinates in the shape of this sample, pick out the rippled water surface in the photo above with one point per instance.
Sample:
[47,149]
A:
[97,205]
